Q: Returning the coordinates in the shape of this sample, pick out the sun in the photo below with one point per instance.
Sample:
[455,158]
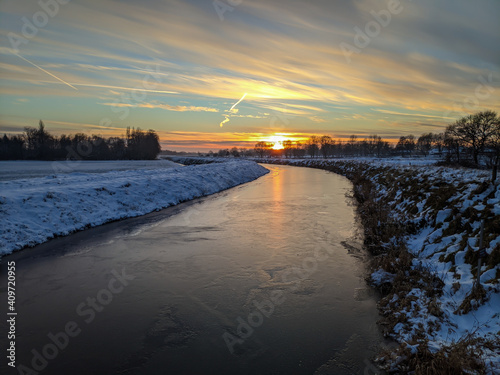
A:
[277,141]
[277,146]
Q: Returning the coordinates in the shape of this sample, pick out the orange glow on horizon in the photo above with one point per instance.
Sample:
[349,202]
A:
[278,146]
[277,141]
[194,141]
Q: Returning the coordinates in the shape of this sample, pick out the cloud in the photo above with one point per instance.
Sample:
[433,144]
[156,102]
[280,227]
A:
[317,119]
[411,114]
[175,108]
[284,54]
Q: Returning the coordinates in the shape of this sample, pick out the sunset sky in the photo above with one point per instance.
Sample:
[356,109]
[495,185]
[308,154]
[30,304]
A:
[307,67]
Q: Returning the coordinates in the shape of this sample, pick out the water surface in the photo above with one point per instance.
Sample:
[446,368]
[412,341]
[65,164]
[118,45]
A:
[266,278]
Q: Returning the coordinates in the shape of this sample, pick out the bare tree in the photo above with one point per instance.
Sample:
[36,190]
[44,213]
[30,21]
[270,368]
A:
[288,148]
[452,146]
[438,141]
[234,151]
[350,147]
[312,146]
[326,145]
[473,132]
[381,146]
[298,151]
[494,145]
[372,143]
[39,142]
[406,145]
[424,143]
[262,148]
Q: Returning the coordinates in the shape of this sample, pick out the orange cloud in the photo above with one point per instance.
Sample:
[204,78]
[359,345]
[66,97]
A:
[176,108]
[105,51]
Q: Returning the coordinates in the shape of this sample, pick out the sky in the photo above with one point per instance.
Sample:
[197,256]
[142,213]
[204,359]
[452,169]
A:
[214,74]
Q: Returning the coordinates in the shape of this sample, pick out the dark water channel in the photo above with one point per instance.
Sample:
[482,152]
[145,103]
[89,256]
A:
[266,278]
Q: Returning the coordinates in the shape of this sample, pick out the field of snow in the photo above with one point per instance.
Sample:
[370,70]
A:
[13,170]
[33,210]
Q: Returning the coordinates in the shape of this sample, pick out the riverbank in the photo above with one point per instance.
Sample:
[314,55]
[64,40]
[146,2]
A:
[34,210]
[423,223]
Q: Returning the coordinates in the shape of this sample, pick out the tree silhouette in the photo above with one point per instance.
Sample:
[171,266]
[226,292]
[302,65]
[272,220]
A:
[39,144]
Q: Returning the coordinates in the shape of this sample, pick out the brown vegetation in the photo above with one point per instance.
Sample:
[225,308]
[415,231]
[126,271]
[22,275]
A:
[385,239]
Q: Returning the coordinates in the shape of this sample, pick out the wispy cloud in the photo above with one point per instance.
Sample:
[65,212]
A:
[411,114]
[126,88]
[317,119]
[284,54]
[175,108]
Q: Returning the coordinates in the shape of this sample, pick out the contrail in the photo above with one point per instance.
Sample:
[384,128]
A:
[234,105]
[238,102]
[125,88]
[43,70]
[223,122]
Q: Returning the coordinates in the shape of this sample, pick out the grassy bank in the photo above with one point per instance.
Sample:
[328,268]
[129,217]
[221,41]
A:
[423,225]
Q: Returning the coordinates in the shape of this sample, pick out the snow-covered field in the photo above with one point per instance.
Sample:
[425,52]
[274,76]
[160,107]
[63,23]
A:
[12,170]
[33,210]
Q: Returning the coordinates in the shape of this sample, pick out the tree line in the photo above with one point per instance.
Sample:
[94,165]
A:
[327,147]
[39,144]
[472,140]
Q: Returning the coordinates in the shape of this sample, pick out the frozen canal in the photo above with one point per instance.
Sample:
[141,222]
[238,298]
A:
[266,278]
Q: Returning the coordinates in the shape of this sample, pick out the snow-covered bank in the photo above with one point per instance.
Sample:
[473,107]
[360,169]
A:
[36,209]
[428,221]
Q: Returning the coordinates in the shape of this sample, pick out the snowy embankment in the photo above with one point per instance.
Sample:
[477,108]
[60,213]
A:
[35,210]
[426,222]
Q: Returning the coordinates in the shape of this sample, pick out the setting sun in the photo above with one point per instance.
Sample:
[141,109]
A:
[276,140]
[278,146]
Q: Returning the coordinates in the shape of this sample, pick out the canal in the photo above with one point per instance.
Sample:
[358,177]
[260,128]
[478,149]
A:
[265,278]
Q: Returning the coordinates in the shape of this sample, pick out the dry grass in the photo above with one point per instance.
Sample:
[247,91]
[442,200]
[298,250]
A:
[476,297]
[459,358]
[385,237]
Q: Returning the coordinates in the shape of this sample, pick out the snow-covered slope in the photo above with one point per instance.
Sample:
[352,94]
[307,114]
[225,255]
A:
[426,220]
[36,209]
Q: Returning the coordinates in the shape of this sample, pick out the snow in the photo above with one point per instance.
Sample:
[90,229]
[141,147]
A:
[12,170]
[438,246]
[34,210]
[380,277]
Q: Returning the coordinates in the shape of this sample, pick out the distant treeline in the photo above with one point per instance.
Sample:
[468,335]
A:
[39,144]
[471,140]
